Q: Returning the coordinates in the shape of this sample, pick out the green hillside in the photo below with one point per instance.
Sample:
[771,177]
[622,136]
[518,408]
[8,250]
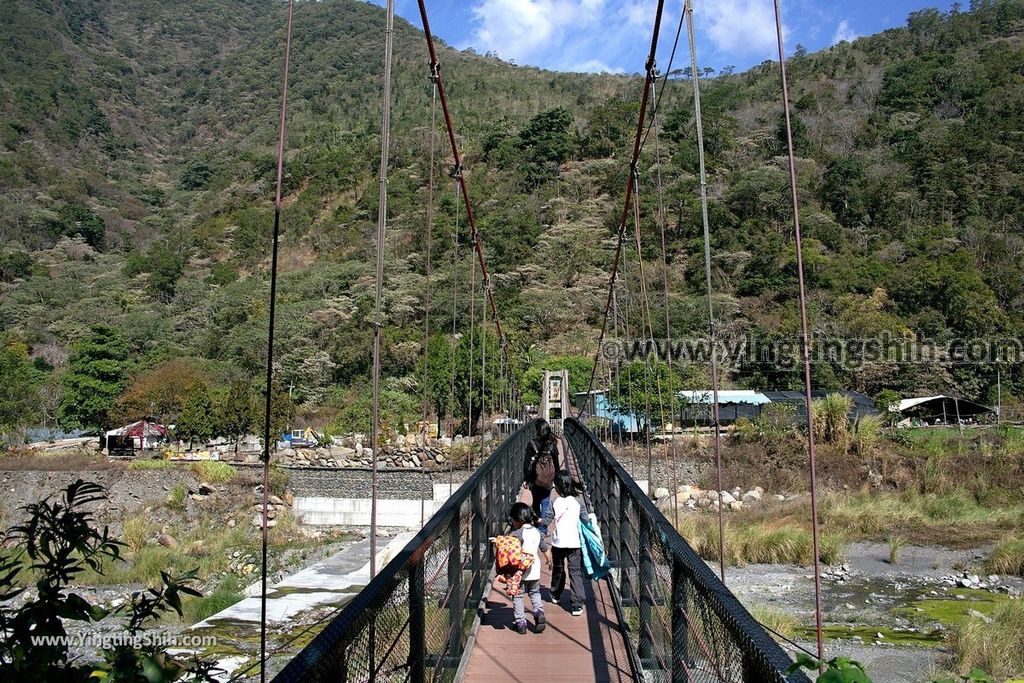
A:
[136,186]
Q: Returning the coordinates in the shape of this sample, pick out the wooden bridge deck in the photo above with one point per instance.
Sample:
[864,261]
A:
[589,647]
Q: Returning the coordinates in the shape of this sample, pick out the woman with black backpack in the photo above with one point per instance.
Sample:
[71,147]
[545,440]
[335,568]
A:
[540,465]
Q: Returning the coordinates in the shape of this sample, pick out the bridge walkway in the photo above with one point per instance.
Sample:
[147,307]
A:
[589,647]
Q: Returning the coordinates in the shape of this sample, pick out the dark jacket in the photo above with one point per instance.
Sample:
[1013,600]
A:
[532,450]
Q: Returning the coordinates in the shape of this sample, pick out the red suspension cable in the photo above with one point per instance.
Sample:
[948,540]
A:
[649,67]
[804,328]
[435,67]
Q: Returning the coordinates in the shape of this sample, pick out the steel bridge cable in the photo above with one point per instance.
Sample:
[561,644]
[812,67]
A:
[666,75]
[712,336]
[470,359]
[645,329]
[649,68]
[804,328]
[668,324]
[382,222]
[270,343]
[470,216]
[430,233]
[455,316]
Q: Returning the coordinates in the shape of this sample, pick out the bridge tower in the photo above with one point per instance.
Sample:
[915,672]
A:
[556,401]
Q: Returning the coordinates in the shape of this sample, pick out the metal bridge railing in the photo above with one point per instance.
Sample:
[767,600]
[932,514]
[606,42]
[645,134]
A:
[412,622]
[682,623]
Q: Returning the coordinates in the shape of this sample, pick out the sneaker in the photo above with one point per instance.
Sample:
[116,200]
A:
[555,597]
[519,627]
[540,620]
[577,611]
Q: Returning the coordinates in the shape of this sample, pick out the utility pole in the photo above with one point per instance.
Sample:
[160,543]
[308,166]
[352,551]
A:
[999,395]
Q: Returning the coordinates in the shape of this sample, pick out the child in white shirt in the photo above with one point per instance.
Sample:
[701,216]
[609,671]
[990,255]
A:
[565,514]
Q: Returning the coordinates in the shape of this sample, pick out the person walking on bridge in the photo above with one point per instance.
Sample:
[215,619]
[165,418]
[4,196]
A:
[525,524]
[539,466]
[566,512]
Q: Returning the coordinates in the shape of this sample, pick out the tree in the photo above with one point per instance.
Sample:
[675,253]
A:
[438,360]
[196,420]
[158,393]
[78,220]
[282,412]
[96,374]
[887,402]
[20,383]
[235,416]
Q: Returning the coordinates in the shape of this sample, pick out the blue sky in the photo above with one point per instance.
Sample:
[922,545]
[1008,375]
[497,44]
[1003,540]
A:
[614,35]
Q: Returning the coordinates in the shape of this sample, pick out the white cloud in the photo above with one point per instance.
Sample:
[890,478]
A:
[523,29]
[844,32]
[595,66]
[740,27]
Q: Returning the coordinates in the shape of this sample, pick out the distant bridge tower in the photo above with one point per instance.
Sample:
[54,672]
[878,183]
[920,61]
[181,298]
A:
[556,402]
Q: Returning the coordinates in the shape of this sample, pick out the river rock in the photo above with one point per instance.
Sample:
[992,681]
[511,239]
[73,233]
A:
[736,505]
[167,541]
[274,500]
[975,614]
[660,492]
[727,498]
[753,496]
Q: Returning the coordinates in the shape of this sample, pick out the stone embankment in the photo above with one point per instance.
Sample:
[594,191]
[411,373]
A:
[404,452]
[694,498]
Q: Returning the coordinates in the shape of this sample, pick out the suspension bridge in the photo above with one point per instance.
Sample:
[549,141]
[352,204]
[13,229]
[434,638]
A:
[431,613]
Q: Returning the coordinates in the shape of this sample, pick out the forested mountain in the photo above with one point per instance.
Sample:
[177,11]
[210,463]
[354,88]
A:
[136,187]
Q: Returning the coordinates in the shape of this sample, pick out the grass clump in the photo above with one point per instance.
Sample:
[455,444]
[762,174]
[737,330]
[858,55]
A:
[760,541]
[777,622]
[896,545]
[151,464]
[227,593]
[214,471]
[996,647]
[1007,557]
[176,498]
[137,530]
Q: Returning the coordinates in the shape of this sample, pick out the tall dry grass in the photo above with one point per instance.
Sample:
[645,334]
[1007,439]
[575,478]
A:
[996,647]
[760,541]
[1007,557]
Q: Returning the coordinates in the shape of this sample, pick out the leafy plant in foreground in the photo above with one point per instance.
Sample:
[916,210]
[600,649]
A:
[58,541]
[835,670]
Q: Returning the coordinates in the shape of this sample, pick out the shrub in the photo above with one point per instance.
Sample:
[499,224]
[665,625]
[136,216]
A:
[213,471]
[1007,557]
[279,480]
[177,496]
[57,543]
[831,422]
[867,433]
